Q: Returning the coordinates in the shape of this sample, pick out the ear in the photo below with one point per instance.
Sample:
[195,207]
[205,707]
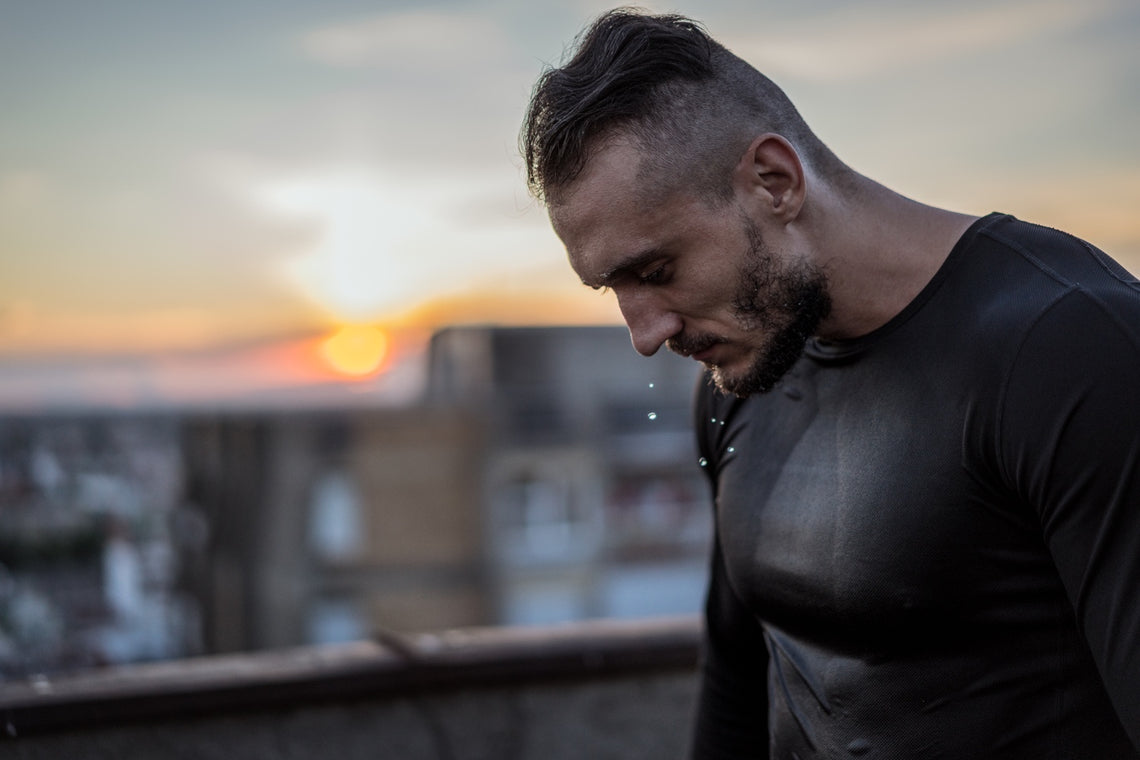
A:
[770,178]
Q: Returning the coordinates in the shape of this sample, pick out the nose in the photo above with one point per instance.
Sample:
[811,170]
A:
[649,324]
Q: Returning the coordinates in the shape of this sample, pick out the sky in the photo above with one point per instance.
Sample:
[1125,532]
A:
[209,187]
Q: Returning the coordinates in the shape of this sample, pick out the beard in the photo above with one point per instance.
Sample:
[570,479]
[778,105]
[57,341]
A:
[786,301]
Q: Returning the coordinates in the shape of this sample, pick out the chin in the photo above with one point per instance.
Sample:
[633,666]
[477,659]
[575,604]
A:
[761,376]
[736,383]
[732,385]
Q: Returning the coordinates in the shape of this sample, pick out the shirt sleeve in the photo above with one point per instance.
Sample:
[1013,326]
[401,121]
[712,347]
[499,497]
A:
[1069,442]
[732,706]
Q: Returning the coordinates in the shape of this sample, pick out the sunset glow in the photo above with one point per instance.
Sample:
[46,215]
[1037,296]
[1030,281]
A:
[365,233]
[356,350]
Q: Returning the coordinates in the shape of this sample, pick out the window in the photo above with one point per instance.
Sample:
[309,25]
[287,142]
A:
[336,523]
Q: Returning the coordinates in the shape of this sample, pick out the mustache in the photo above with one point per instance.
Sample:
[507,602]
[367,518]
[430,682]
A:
[687,345]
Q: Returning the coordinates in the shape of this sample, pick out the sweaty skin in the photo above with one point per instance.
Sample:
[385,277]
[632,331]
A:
[740,283]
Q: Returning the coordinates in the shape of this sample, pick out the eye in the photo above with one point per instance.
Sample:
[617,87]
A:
[653,277]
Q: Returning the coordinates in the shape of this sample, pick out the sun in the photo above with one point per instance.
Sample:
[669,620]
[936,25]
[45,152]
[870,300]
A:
[356,350]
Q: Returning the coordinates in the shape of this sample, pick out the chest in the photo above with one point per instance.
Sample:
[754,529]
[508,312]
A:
[852,500]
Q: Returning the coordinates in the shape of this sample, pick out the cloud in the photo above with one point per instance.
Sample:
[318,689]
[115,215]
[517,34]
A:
[411,41]
[359,263]
[383,241]
[417,91]
[854,43]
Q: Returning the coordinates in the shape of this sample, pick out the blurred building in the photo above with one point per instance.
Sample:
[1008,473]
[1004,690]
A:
[592,499]
[546,475]
[88,506]
[328,526]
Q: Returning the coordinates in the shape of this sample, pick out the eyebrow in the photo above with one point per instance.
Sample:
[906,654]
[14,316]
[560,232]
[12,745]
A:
[625,266]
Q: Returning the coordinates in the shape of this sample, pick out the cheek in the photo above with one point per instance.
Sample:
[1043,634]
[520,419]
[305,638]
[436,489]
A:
[715,296]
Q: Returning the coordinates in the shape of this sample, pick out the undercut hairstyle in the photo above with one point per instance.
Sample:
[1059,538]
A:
[689,104]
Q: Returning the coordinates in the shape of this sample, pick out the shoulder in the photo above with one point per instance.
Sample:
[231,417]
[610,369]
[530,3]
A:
[1075,292]
[1020,282]
[1047,327]
[1060,261]
[1067,398]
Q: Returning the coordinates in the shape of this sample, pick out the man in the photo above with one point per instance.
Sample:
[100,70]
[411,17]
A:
[922,429]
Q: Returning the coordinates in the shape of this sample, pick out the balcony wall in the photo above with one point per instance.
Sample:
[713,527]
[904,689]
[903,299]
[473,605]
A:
[604,689]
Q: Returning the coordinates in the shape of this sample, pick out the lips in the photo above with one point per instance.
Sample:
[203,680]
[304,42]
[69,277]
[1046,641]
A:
[704,355]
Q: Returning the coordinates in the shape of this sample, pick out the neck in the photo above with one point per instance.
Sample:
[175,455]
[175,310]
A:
[879,250]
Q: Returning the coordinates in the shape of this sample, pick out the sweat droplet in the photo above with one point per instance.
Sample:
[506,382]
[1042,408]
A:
[703,462]
[713,420]
[653,415]
[731,449]
[651,385]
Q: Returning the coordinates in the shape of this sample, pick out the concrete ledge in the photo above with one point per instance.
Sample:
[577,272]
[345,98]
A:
[390,667]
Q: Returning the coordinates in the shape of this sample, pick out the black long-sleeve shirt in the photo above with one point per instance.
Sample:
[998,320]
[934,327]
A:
[928,538]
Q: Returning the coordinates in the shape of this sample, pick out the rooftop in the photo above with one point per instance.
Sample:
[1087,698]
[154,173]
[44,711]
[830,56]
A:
[596,689]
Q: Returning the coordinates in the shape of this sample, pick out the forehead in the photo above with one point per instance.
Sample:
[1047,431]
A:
[609,176]
[608,212]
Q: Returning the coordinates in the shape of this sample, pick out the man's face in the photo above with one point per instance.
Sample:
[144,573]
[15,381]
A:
[693,276]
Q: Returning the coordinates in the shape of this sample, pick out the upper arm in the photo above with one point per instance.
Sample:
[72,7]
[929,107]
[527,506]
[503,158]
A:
[1070,447]
[732,709]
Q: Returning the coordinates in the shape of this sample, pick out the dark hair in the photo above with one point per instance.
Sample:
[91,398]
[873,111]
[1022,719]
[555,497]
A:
[663,81]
